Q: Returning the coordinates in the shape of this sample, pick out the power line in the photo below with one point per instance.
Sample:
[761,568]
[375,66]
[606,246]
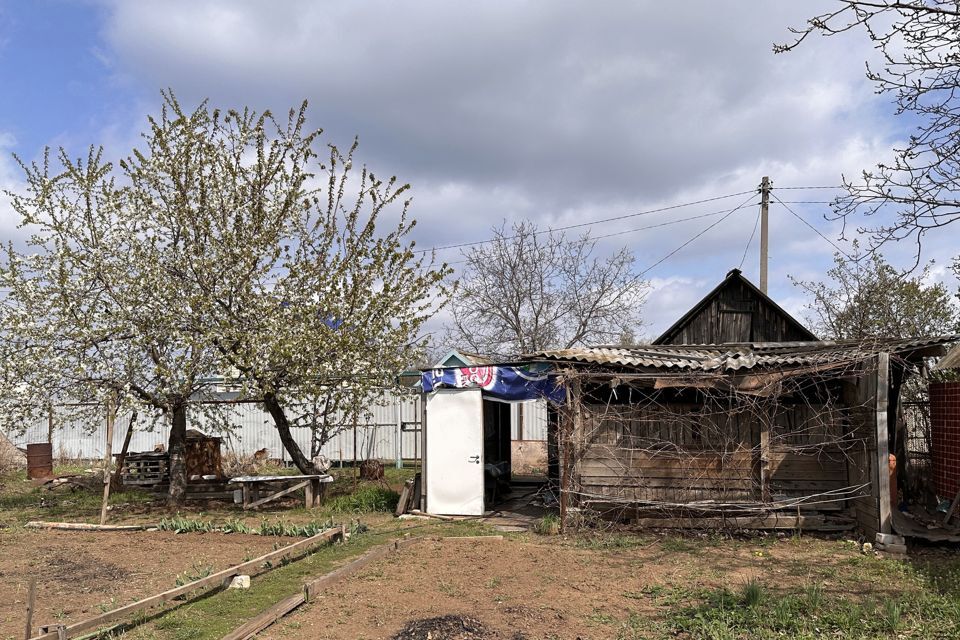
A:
[834,186]
[661,224]
[815,230]
[644,228]
[708,228]
[750,241]
[588,224]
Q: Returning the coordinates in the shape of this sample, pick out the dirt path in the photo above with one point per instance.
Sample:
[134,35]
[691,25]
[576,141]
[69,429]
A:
[80,574]
[543,588]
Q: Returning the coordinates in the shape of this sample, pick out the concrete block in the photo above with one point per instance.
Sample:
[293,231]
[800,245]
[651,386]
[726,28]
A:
[890,538]
[240,582]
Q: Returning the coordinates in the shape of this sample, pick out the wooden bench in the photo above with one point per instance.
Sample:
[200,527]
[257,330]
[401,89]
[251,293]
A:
[252,486]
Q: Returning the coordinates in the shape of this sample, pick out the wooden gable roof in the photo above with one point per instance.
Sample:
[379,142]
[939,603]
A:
[736,311]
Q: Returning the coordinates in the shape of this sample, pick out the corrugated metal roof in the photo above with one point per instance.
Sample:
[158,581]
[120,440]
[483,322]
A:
[734,357]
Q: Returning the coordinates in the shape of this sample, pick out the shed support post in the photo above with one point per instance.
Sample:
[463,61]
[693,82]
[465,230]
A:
[883,442]
[399,432]
[423,453]
[569,429]
[765,458]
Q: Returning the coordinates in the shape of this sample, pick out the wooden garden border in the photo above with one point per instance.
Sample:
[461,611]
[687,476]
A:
[251,567]
[313,588]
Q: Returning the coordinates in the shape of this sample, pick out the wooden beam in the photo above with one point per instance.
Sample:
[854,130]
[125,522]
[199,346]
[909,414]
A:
[773,521]
[123,450]
[251,567]
[883,442]
[279,494]
[252,627]
[311,589]
[83,526]
[31,604]
[765,457]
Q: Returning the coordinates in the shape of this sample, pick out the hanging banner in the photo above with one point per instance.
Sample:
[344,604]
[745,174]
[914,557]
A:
[505,383]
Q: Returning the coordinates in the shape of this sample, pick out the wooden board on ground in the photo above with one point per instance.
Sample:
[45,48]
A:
[220,578]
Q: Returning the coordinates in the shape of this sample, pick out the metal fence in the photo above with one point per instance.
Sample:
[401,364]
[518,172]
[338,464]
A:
[251,430]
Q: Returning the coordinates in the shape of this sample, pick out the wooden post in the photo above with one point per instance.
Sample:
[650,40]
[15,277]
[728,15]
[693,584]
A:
[123,451]
[107,458]
[568,429]
[520,421]
[883,444]
[764,230]
[399,432]
[423,453]
[31,603]
[765,460]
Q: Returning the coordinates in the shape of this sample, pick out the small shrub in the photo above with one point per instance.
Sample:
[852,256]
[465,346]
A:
[548,525]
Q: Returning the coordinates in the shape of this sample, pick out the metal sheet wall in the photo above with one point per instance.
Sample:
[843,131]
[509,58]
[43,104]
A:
[252,430]
[534,420]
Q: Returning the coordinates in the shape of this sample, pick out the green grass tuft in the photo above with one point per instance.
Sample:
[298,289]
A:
[366,499]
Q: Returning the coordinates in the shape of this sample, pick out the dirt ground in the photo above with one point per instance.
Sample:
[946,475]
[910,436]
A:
[81,574]
[543,588]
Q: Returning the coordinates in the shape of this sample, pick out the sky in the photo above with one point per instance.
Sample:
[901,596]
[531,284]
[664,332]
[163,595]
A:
[552,111]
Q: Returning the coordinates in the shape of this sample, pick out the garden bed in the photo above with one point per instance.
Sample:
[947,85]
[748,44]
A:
[82,574]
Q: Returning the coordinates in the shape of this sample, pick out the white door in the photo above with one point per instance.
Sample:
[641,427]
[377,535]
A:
[454,454]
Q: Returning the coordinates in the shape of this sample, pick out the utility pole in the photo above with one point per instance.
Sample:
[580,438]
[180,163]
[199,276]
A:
[764,230]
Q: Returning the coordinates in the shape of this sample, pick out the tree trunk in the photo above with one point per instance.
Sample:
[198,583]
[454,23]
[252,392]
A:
[283,428]
[178,465]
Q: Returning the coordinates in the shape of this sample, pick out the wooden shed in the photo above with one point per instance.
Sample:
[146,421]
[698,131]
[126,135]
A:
[736,416]
[749,436]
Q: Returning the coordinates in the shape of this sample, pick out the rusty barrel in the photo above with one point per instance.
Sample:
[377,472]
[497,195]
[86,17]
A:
[40,460]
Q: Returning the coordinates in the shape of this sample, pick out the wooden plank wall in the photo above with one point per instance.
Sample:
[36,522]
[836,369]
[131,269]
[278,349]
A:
[736,314]
[679,454]
[861,465]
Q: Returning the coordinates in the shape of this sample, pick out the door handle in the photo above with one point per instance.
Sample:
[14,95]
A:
[475,459]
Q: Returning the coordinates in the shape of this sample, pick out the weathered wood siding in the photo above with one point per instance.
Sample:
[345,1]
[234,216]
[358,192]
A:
[736,313]
[862,465]
[679,454]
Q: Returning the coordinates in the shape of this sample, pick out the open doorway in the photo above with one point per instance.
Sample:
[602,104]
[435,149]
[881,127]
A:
[514,469]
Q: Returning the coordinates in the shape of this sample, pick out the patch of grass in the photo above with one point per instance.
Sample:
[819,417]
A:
[678,544]
[366,499]
[609,541]
[548,525]
[759,612]
[751,592]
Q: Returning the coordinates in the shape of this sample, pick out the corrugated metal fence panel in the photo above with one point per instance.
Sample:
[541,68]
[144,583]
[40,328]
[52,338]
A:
[250,429]
[534,420]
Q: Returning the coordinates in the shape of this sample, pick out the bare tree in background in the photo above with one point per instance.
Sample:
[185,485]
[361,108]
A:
[919,41]
[865,297]
[530,290]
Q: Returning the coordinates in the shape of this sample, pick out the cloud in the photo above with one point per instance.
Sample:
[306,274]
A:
[10,180]
[558,112]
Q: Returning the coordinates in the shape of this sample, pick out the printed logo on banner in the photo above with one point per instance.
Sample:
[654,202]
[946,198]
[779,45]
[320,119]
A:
[480,376]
